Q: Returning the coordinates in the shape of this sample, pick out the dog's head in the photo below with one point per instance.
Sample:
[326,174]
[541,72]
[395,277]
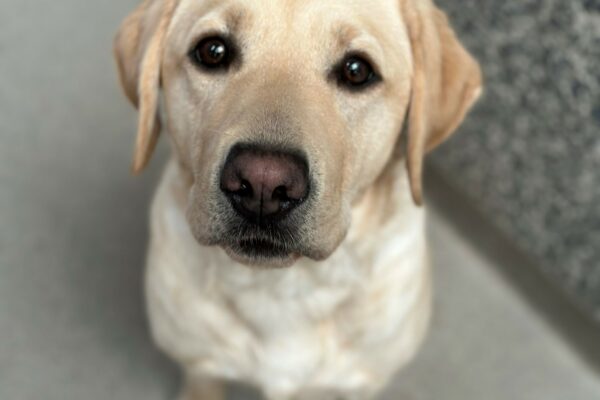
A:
[282,113]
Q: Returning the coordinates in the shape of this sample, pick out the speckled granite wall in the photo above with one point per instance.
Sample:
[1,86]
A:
[530,152]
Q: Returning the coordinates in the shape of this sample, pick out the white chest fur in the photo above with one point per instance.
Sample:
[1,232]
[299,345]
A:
[345,324]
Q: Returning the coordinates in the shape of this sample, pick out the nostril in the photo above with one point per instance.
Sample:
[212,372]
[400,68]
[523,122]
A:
[280,193]
[245,189]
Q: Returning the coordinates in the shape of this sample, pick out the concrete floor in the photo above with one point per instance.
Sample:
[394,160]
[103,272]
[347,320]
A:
[73,234]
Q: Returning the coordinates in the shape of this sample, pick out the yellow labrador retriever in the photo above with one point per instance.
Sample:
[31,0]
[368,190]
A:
[286,249]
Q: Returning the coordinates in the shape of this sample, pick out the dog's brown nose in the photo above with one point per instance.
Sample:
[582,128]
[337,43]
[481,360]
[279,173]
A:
[264,184]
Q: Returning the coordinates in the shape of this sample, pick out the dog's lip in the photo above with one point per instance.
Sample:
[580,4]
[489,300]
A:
[262,247]
[262,253]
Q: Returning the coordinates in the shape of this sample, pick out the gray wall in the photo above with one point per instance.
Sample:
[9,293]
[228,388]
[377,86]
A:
[529,155]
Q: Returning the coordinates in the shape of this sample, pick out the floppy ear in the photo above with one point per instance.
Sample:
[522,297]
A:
[446,82]
[138,49]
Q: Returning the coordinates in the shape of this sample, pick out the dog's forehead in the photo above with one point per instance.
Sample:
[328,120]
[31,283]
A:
[280,31]
[297,18]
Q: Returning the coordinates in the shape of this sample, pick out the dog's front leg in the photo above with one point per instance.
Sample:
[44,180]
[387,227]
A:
[202,388]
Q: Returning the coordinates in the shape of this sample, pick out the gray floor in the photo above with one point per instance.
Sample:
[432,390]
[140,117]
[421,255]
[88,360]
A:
[73,231]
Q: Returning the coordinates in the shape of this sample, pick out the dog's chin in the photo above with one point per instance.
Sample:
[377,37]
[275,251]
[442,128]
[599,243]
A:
[254,249]
[261,254]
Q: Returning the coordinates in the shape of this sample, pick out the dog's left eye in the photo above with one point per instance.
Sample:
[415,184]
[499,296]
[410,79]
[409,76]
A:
[212,53]
[356,72]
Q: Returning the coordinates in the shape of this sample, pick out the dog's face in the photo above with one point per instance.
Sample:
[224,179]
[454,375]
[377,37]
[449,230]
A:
[282,113]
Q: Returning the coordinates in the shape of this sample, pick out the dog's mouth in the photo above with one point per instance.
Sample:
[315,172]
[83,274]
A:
[271,245]
[262,253]
[263,248]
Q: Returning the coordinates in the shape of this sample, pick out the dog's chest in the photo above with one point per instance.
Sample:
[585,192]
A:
[294,332]
[344,323]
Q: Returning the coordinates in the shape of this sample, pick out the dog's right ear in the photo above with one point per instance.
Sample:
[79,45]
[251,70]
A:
[138,48]
[446,82]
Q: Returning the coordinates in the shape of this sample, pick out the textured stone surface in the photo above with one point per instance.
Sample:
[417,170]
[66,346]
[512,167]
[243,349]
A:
[530,153]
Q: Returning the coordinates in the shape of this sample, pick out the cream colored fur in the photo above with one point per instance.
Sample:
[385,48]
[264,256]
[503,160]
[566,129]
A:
[343,325]
[338,320]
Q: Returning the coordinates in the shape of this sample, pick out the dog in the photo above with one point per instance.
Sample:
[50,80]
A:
[287,244]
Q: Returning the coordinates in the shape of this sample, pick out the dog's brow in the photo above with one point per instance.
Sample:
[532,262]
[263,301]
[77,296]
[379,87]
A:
[346,33]
[222,18]
[234,17]
[352,38]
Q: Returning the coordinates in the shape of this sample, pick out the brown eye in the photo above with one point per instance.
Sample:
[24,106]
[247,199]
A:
[356,72]
[212,53]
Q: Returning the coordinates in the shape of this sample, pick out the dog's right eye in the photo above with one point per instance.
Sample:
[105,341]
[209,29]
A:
[212,53]
[355,73]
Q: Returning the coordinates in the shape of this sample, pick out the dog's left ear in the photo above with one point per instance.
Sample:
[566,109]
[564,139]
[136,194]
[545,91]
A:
[138,48]
[446,82]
